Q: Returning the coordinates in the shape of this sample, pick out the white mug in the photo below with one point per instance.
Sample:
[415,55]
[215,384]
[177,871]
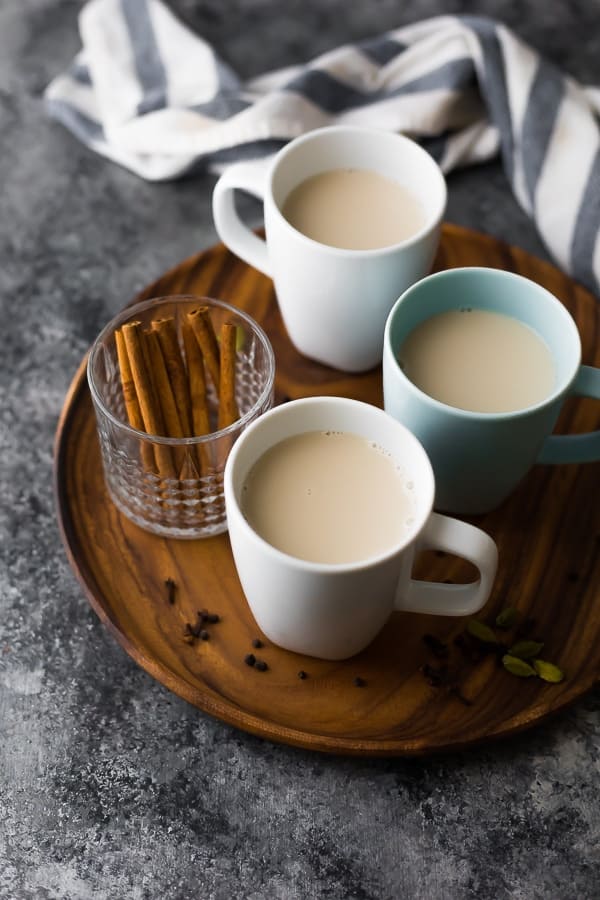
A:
[333,611]
[334,302]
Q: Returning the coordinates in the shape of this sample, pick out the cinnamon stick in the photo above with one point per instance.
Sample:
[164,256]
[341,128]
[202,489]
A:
[197,390]
[141,372]
[228,411]
[196,383]
[164,392]
[132,406]
[152,388]
[204,332]
[167,336]
[166,397]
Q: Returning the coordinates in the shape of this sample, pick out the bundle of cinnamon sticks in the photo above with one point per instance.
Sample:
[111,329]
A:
[166,390]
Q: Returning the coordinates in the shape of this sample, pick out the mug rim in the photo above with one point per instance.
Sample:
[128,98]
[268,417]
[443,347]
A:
[130,312]
[316,134]
[421,518]
[550,299]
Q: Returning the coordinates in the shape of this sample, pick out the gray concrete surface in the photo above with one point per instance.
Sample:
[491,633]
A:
[110,786]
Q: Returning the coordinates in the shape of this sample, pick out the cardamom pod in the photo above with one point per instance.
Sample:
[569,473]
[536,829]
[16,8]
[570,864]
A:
[517,666]
[507,618]
[526,649]
[481,632]
[548,671]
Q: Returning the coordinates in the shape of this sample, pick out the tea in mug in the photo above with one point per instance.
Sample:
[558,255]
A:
[354,209]
[478,360]
[329,497]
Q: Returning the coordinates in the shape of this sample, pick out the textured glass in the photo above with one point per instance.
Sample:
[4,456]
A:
[192,504]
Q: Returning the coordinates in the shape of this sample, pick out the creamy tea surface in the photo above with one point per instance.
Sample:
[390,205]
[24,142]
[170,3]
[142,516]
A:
[478,360]
[329,497]
[354,209]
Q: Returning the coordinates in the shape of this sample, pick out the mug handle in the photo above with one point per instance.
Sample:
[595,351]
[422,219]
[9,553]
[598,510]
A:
[576,448]
[252,178]
[462,539]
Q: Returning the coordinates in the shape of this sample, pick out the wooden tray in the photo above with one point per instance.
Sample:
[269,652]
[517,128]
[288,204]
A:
[548,535]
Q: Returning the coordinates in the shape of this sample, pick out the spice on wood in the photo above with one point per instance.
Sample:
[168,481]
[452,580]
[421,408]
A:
[171,587]
[437,647]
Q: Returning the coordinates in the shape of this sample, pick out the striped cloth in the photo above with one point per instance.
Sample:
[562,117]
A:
[149,94]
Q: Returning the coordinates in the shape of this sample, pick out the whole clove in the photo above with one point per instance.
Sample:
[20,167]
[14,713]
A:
[302,675]
[257,643]
[204,617]
[437,647]
[250,659]
[171,586]
[472,652]
[435,676]
[442,677]
[456,691]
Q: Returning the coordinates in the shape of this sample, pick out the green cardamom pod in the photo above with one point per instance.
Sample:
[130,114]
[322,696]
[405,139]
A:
[507,618]
[548,671]
[481,632]
[517,666]
[526,649]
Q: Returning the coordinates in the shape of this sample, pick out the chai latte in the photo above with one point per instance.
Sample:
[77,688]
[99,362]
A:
[329,497]
[354,209]
[478,360]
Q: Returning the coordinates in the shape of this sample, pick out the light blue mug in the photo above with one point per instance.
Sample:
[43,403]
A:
[479,458]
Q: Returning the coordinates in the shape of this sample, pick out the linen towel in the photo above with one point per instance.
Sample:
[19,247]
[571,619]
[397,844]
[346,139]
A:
[152,96]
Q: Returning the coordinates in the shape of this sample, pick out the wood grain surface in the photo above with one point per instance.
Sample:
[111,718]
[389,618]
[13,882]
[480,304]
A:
[548,534]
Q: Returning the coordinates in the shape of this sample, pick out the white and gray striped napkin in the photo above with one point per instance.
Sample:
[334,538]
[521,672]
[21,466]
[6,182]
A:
[149,94]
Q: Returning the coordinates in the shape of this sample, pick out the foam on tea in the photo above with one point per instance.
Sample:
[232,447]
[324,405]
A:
[478,360]
[329,497]
[354,209]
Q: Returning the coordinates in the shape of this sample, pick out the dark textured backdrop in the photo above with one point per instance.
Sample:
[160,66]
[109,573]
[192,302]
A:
[111,787]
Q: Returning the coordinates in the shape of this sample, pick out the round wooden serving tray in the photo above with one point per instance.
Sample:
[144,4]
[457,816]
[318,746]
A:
[548,534]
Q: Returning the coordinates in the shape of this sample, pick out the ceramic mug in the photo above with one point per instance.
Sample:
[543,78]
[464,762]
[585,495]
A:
[333,611]
[479,458]
[334,302]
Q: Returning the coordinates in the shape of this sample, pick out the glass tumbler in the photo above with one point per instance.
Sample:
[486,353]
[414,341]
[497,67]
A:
[186,499]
